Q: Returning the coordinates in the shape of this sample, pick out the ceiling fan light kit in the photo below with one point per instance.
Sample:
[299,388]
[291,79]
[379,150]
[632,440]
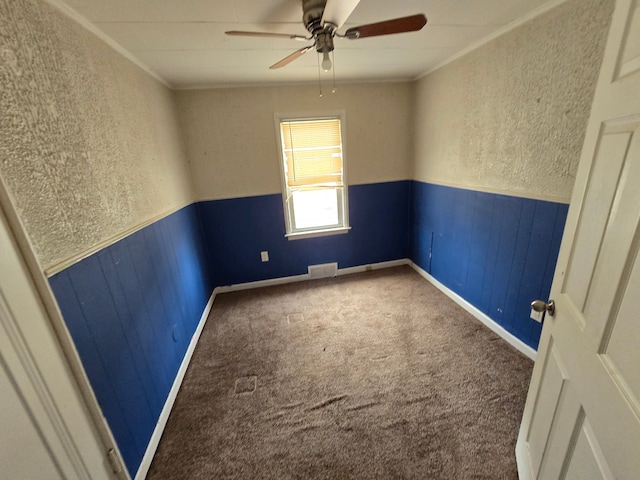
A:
[323,18]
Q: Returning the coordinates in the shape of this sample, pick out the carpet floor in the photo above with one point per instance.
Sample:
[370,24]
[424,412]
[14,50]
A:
[372,375]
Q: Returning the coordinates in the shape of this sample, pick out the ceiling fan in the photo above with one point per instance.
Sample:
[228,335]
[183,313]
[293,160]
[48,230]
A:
[322,18]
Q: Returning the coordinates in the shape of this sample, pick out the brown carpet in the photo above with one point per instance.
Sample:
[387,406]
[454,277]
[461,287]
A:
[373,375]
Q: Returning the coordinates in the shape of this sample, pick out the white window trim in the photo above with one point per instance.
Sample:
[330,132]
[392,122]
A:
[301,116]
[317,233]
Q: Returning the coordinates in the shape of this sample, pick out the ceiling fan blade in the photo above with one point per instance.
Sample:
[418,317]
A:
[397,25]
[290,58]
[336,12]
[293,36]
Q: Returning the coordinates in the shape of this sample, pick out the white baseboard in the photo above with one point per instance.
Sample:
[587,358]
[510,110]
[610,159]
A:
[484,318]
[262,283]
[304,277]
[168,405]
[373,266]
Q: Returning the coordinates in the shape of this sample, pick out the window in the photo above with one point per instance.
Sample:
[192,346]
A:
[313,175]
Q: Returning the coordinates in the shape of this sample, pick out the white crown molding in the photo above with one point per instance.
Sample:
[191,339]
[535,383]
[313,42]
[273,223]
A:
[536,12]
[86,24]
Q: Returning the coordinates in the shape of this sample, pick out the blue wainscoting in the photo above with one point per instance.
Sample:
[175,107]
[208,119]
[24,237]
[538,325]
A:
[237,230]
[132,309]
[498,252]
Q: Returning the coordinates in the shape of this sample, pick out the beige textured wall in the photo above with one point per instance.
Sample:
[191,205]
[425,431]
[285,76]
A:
[231,142]
[89,143]
[511,116]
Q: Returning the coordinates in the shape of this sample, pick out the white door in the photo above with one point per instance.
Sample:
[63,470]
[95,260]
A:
[45,429]
[582,416]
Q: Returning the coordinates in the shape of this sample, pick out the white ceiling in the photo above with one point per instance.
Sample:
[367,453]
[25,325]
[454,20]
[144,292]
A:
[183,41]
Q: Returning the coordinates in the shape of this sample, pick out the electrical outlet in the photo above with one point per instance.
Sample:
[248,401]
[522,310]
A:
[264,255]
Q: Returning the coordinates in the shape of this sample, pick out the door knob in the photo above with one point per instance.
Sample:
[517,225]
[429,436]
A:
[541,306]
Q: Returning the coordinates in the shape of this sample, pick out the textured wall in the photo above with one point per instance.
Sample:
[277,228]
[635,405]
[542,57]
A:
[89,143]
[231,142]
[511,115]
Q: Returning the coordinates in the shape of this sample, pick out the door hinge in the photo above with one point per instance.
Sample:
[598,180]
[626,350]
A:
[114,460]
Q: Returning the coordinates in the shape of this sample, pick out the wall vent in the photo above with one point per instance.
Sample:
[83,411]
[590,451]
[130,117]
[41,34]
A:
[323,270]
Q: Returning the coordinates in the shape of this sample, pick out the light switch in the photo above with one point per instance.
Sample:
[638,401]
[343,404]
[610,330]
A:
[264,255]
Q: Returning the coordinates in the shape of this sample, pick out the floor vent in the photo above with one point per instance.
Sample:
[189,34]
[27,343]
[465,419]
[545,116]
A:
[323,270]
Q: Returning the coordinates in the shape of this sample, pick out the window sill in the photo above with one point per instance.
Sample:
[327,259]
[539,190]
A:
[317,233]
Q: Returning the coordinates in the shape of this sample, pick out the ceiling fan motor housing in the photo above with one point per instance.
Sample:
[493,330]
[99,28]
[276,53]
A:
[324,42]
[312,14]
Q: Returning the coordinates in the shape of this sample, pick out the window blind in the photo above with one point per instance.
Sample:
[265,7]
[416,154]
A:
[313,152]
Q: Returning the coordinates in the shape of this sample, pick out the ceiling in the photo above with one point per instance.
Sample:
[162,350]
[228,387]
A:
[183,41]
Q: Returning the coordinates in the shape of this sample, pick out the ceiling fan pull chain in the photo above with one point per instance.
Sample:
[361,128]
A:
[333,60]
[319,78]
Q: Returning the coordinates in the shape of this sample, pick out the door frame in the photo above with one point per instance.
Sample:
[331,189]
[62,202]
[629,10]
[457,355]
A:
[67,397]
